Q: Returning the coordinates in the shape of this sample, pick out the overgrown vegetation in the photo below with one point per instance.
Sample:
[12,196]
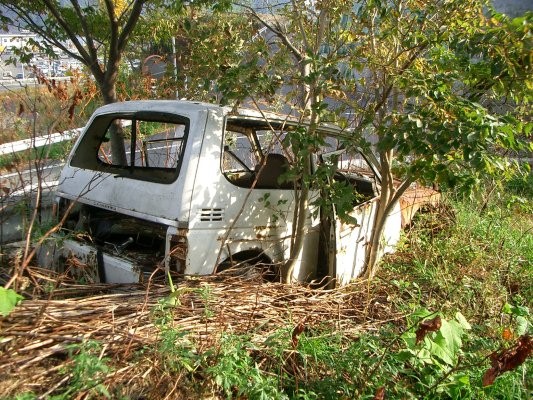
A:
[447,317]
[37,111]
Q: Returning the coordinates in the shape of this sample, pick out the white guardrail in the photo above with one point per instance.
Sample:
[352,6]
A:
[40,141]
[21,186]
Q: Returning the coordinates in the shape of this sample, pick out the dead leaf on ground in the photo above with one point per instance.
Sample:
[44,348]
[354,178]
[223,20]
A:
[429,325]
[297,331]
[509,359]
[380,394]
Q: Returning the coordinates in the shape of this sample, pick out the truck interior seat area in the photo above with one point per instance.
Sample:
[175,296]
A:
[269,172]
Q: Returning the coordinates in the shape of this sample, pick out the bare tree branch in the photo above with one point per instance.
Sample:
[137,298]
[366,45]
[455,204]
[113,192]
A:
[276,31]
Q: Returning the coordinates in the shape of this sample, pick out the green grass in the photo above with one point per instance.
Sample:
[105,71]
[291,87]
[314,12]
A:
[469,265]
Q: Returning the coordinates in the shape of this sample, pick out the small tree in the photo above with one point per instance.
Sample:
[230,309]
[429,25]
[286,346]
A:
[440,90]
[443,88]
[95,34]
[214,55]
[299,33]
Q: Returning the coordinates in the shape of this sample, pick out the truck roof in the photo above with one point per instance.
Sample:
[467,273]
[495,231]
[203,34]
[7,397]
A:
[241,114]
[158,105]
[175,106]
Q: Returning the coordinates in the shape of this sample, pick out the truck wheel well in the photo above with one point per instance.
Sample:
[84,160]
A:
[251,258]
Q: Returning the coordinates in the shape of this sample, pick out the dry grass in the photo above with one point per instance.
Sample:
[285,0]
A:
[35,338]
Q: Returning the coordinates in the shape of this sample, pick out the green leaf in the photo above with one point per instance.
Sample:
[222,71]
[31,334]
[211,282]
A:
[447,342]
[409,339]
[426,356]
[521,311]
[462,379]
[506,309]
[462,321]
[405,355]
[8,300]
[472,137]
[439,350]
[421,313]
[515,310]
[417,120]
[522,325]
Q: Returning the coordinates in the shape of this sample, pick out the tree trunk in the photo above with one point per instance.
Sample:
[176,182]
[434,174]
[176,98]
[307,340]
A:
[302,194]
[386,194]
[390,195]
[297,235]
[109,94]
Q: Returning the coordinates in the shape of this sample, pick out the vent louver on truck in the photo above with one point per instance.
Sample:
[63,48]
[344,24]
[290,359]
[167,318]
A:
[211,214]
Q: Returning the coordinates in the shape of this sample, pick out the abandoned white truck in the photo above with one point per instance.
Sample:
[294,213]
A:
[198,188]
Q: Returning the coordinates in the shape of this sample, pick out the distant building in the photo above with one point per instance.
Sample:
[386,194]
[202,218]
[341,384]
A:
[513,8]
[15,38]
